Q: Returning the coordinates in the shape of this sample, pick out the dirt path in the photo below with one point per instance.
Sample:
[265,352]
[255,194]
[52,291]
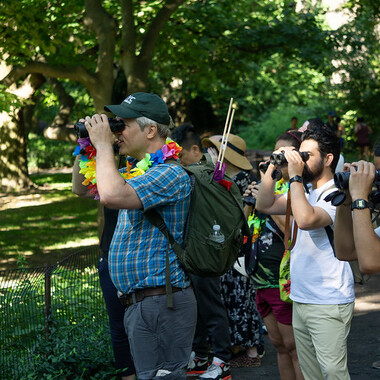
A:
[363,341]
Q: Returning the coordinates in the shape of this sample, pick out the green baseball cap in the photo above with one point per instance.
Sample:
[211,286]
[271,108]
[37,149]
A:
[142,104]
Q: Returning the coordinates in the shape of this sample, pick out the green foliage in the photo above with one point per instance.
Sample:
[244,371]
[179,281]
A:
[262,133]
[44,153]
[7,100]
[50,29]
[358,59]
[47,107]
[254,52]
[82,351]
[78,343]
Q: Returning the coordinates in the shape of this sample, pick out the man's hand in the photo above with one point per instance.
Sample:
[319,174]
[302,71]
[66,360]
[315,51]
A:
[252,190]
[99,130]
[361,180]
[295,162]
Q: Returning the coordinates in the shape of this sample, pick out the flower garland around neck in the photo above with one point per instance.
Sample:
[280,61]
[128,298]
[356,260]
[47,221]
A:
[256,222]
[87,162]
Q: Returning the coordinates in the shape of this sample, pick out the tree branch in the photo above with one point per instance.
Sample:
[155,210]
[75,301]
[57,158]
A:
[128,31]
[56,129]
[78,73]
[153,33]
[103,25]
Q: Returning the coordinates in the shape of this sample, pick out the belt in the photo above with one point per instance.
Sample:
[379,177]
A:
[139,294]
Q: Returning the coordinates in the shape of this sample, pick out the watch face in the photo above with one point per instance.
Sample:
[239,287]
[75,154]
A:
[359,204]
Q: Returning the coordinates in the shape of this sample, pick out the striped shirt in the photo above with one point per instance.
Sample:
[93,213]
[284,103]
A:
[138,249]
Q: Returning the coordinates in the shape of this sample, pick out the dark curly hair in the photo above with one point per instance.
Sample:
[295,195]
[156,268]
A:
[326,138]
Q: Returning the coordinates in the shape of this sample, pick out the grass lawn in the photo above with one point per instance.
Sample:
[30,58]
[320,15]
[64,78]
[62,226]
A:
[44,225]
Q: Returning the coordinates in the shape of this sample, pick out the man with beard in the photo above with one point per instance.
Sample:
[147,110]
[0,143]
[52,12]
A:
[322,287]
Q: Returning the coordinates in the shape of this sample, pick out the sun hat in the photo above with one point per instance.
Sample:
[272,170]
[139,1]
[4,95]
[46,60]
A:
[235,150]
[142,104]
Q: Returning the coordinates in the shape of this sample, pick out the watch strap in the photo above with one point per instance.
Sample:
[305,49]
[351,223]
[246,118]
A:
[359,204]
[296,178]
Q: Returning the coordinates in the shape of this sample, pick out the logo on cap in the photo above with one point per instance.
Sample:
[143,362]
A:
[129,99]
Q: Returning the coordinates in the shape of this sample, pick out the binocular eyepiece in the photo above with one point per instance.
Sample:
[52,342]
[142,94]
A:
[264,166]
[80,130]
[278,159]
[341,179]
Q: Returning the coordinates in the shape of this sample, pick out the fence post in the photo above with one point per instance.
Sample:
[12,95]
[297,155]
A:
[47,311]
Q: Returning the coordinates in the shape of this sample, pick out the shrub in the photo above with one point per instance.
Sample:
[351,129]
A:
[80,351]
[76,344]
[44,153]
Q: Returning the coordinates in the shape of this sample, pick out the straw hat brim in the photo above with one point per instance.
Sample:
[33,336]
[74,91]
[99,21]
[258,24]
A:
[230,155]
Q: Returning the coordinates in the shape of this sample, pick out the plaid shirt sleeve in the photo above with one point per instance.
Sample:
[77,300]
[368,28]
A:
[161,185]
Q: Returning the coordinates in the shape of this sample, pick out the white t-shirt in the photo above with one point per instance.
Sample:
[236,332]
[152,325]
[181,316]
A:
[377,231]
[317,276]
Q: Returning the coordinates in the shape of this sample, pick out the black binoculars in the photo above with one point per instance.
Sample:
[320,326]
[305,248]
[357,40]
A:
[263,167]
[279,159]
[250,200]
[341,179]
[116,125]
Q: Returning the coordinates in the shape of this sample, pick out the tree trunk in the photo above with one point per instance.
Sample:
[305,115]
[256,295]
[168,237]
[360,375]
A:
[13,136]
[13,163]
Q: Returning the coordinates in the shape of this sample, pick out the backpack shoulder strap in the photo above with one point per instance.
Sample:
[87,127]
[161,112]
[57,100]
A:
[329,188]
[157,220]
[330,235]
[287,227]
[328,229]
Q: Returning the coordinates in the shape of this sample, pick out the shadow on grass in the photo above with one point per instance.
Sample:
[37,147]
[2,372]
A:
[45,226]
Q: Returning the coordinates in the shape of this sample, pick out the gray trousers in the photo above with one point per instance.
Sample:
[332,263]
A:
[159,337]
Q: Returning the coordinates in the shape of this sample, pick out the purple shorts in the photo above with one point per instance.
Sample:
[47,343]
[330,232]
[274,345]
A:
[268,300]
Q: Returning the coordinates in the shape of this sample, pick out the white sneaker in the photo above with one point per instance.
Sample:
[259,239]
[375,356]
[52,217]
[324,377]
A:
[196,365]
[220,371]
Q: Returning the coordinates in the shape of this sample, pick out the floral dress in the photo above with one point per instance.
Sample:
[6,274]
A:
[238,294]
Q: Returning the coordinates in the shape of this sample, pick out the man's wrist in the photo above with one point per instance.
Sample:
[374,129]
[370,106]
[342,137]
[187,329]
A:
[296,178]
[359,196]
[103,146]
[359,204]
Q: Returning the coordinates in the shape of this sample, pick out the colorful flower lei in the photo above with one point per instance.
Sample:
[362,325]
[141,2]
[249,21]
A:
[87,162]
[256,222]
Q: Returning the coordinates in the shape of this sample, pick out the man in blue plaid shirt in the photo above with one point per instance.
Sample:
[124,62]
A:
[160,337]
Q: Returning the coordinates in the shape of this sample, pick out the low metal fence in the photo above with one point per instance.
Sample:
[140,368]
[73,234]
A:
[36,302]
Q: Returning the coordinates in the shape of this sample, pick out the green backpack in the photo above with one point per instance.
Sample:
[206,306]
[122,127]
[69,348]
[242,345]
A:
[211,203]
